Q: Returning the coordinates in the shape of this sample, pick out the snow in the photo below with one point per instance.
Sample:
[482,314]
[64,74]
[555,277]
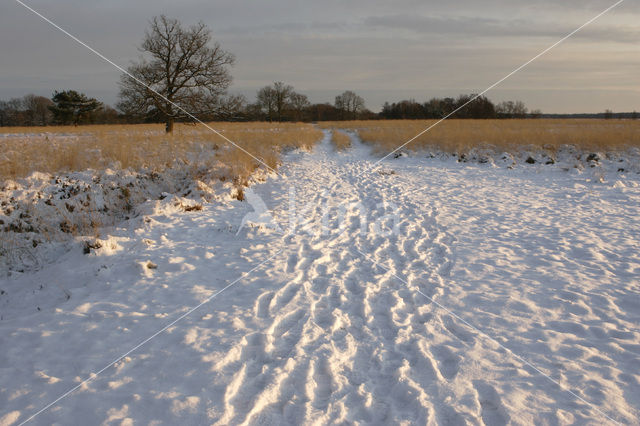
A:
[44,210]
[432,292]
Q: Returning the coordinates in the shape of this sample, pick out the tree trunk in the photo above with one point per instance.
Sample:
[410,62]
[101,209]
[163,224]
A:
[169,125]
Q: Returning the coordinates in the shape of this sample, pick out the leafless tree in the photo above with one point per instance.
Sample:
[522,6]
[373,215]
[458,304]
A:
[275,100]
[266,100]
[37,110]
[535,113]
[511,109]
[4,113]
[282,94]
[231,108]
[298,103]
[13,112]
[184,67]
[350,104]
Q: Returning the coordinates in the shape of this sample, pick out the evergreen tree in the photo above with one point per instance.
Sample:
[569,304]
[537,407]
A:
[71,107]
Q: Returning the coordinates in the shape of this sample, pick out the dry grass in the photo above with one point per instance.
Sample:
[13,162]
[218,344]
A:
[24,150]
[460,136]
[340,140]
[191,158]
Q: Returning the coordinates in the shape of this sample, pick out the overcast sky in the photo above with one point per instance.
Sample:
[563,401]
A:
[384,50]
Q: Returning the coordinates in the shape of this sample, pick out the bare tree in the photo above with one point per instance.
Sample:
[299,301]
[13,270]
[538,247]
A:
[37,109]
[511,109]
[267,101]
[350,104]
[231,108]
[520,110]
[12,112]
[298,103]
[535,113]
[4,113]
[283,94]
[275,100]
[189,73]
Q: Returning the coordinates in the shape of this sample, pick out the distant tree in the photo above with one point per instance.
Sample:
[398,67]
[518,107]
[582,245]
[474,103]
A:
[511,109]
[504,109]
[12,112]
[184,67]
[474,106]
[465,106]
[282,93]
[280,102]
[350,104]
[608,114]
[253,112]
[433,108]
[231,108]
[386,110]
[4,113]
[634,115]
[367,114]
[447,106]
[266,101]
[405,109]
[536,113]
[71,107]
[322,112]
[107,115]
[520,110]
[298,103]
[37,110]
[17,115]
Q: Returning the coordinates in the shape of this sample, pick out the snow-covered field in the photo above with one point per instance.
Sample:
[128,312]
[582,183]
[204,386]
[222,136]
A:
[425,291]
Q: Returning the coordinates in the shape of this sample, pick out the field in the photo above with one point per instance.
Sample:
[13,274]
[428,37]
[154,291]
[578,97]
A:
[63,149]
[461,136]
[24,150]
[83,178]
[58,182]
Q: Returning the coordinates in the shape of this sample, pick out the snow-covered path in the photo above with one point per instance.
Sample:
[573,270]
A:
[501,296]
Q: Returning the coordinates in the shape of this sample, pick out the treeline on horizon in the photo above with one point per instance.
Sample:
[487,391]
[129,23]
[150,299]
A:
[277,103]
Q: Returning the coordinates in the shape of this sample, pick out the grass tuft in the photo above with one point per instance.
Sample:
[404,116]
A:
[340,140]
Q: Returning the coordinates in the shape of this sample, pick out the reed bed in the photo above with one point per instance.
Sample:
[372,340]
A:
[340,140]
[460,136]
[24,150]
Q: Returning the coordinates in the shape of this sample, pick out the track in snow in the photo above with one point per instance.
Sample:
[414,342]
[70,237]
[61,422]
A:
[335,328]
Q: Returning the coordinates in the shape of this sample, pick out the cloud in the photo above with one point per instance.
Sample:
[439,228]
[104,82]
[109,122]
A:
[384,49]
[459,26]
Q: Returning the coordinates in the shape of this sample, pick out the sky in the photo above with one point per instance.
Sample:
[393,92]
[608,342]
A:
[383,50]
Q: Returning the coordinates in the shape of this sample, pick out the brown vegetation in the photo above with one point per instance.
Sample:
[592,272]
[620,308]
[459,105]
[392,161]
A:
[187,163]
[459,136]
[340,140]
[24,150]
